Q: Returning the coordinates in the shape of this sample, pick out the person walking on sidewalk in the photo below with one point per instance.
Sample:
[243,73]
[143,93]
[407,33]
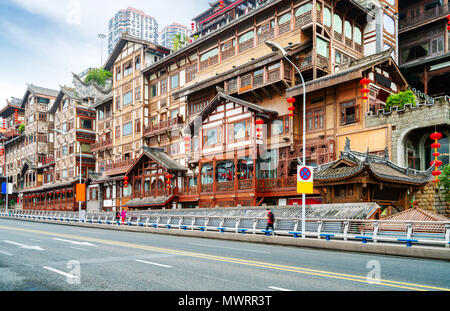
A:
[270,220]
[123,214]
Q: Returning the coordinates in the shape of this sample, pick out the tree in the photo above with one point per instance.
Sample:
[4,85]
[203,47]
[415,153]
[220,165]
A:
[444,182]
[400,99]
[179,40]
[21,128]
[99,75]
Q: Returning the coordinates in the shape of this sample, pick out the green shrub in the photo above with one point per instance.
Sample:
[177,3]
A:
[99,75]
[400,99]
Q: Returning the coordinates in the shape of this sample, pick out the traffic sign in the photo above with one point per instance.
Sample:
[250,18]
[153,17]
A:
[305,180]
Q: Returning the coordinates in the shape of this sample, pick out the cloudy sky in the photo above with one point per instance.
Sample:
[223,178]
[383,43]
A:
[43,41]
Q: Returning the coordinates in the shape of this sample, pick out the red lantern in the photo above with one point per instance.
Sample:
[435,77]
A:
[436,173]
[365,90]
[436,136]
[365,81]
[259,122]
[291,100]
[436,154]
[436,146]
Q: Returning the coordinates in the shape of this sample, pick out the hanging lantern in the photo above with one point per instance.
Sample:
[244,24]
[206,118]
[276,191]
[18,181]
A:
[437,163]
[125,183]
[193,27]
[291,102]
[187,144]
[16,116]
[169,177]
[4,123]
[448,26]
[221,4]
[365,90]
[259,130]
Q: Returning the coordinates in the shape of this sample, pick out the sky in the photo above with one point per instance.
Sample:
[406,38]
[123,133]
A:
[43,41]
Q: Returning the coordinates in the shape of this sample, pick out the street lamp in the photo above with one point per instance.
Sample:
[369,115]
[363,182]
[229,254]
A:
[101,36]
[282,52]
[81,174]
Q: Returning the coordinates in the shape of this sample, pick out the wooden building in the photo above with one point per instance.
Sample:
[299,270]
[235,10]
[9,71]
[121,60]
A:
[364,177]
[425,46]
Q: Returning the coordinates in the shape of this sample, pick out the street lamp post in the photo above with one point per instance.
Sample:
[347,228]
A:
[101,36]
[282,52]
[81,175]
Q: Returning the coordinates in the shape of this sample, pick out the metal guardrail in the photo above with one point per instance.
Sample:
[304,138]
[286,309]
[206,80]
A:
[367,231]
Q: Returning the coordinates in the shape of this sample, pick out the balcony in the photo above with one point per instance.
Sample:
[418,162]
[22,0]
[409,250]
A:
[103,144]
[48,160]
[119,165]
[11,133]
[430,15]
[154,129]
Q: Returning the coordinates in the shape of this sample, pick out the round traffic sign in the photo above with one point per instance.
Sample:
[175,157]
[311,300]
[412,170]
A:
[305,173]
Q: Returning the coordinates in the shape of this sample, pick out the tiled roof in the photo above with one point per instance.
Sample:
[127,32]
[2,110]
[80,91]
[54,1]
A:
[163,158]
[149,201]
[352,163]
[399,221]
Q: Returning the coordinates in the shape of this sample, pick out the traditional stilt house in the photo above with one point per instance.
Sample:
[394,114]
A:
[359,177]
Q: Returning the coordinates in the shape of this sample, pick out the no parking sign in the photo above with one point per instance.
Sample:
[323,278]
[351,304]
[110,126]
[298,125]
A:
[305,180]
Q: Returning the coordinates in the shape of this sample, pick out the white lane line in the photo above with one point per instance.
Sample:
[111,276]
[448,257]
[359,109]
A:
[80,249]
[280,289]
[36,248]
[152,263]
[74,242]
[61,272]
[237,249]
[5,253]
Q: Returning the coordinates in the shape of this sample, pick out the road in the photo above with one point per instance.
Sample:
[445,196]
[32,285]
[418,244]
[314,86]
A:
[49,257]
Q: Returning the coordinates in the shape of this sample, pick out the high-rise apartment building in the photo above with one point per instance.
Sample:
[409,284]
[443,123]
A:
[169,32]
[135,23]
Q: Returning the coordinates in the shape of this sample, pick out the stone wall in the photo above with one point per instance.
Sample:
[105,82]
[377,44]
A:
[405,120]
[431,200]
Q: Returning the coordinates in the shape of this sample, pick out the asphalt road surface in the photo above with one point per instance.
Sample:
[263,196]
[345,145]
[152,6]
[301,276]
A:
[48,257]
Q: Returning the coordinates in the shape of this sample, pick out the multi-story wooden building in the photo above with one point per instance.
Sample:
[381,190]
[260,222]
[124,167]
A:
[212,91]
[73,135]
[424,44]
[121,118]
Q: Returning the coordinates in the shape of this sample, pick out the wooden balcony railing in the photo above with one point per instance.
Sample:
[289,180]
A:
[116,165]
[48,160]
[162,126]
[103,144]
[425,16]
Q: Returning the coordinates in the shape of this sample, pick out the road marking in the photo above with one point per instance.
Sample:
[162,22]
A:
[68,275]
[5,253]
[237,249]
[155,264]
[74,242]
[266,265]
[80,249]
[36,248]
[280,289]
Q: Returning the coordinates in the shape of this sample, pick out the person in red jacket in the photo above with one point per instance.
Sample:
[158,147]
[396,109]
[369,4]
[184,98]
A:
[270,219]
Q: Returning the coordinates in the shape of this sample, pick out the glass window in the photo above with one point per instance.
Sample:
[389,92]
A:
[174,81]
[154,90]
[322,47]
[211,137]
[348,29]
[246,37]
[357,35]
[174,113]
[303,9]
[127,98]
[327,17]
[337,23]
[101,114]
[225,171]
[284,19]
[86,124]
[239,130]
[338,58]
[128,129]
[277,127]
[389,24]
[207,174]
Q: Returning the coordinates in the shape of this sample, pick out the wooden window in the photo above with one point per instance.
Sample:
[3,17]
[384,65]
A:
[118,131]
[349,113]
[137,62]
[209,58]
[284,23]
[266,31]
[212,137]
[127,68]
[127,129]
[118,73]
[117,102]
[239,131]
[153,90]
[228,49]
[314,120]
[246,41]
[191,73]
[163,86]
[280,126]
[127,98]
[174,81]
[138,125]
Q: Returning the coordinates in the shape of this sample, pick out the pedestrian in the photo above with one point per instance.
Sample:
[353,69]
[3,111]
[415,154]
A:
[270,219]
[118,217]
[123,214]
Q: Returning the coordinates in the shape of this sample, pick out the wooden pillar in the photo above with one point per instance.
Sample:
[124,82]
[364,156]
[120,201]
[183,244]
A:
[255,180]
[199,178]
[425,80]
[236,180]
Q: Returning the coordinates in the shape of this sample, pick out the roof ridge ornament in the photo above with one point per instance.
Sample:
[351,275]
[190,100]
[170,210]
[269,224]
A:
[386,154]
[367,160]
[347,145]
